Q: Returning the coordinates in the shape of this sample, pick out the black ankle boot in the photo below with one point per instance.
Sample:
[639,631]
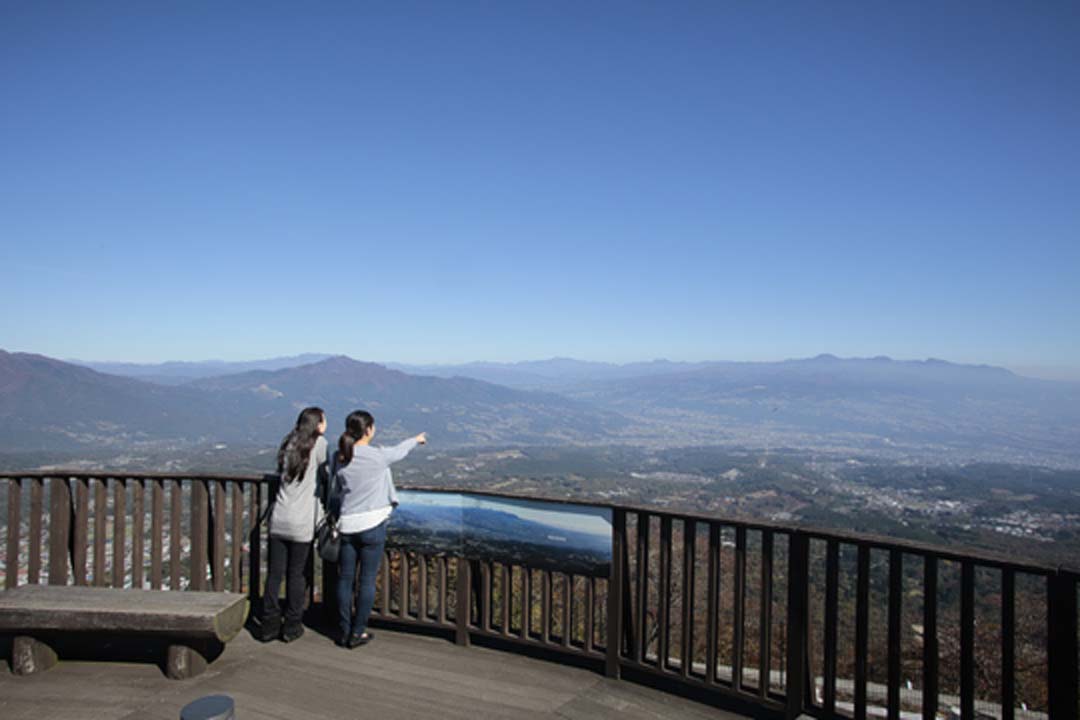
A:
[292,632]
[269,630]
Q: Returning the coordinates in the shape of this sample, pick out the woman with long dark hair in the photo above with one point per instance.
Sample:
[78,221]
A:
[365,489]
[296,509]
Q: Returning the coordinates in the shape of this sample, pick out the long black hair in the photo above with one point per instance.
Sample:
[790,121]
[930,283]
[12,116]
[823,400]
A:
[295,450]
[356,427]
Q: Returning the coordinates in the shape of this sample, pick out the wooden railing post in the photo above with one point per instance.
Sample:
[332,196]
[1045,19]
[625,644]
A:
[739,609]
[200,533]
[798,626]
[216,530]
[255,544]
[862,628]
[80,535]
[138,523]
[236,559]
[14,525]
[176,497]
[119,535]
[629,639]
[157,532]
[967,639]
[615,598]
[1061,653]
[59,530]
[713,597]
[930,638]
[663,605]
[464,602]
[641,565]
[478,581]
[765,615]
[896,594]
[33,573]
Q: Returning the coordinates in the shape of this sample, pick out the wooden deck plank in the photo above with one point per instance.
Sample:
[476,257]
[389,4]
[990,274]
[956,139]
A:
[615,700]
[399,675]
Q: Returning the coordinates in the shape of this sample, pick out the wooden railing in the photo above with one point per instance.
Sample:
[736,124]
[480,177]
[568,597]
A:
[786,620]
[121,530]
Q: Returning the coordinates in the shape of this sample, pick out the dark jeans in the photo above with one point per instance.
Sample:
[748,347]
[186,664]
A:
[287,559]
[366,550]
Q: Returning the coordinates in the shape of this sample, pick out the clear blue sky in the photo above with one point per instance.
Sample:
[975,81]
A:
[442,182]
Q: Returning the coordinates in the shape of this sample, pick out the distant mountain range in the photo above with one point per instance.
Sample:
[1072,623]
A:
[49,404]
[916,410]
[46,404]
[456,410]
[553,374]
[528,375]
[178,373]
[956,411]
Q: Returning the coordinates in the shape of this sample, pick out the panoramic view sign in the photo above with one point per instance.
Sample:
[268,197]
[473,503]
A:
[556,536]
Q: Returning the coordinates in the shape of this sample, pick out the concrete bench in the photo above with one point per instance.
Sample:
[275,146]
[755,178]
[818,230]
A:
[193,625]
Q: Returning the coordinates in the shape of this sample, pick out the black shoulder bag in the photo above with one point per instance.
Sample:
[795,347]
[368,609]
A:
[327,536]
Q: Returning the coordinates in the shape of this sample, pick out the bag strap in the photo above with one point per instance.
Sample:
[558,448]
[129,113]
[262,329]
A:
[323,492]
[273,482]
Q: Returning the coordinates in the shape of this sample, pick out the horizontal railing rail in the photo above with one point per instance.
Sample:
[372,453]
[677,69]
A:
[792,620]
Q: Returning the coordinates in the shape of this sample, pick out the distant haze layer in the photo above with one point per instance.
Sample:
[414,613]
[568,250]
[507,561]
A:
[928,410]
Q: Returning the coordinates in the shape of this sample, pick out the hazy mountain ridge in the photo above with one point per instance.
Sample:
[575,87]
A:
[50,404]
[458,410]
[555,374]
[179,372]
[928,410]
[969,410]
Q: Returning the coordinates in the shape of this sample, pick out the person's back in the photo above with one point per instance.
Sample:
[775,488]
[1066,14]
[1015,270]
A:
[366,483]
[295,511]
[365,497]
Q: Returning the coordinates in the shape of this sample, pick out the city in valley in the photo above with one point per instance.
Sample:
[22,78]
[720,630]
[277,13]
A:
[1027,512]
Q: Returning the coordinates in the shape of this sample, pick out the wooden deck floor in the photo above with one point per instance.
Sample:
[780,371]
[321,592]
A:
[399,675]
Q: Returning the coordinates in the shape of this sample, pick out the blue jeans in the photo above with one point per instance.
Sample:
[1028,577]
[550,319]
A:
[366,550]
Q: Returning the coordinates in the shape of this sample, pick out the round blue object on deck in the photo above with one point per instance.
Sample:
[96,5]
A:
[211,707]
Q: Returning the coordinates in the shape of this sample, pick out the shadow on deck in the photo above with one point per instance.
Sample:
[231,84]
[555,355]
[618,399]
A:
[399,675]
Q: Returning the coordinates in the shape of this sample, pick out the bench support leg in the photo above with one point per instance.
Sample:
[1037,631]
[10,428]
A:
[185,661]
[30,655]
